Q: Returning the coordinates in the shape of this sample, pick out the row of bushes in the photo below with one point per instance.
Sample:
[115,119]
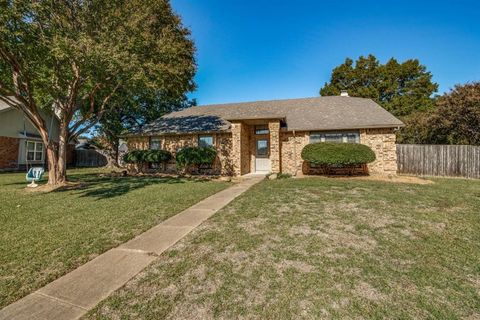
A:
[185,157]
[322,153]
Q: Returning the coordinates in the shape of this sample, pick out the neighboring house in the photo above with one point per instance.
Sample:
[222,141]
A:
[268,136]
[20,143]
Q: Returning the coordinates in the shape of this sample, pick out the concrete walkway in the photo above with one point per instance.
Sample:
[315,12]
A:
[72,295]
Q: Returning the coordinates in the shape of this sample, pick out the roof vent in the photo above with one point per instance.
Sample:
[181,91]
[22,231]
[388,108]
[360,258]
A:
[344,93]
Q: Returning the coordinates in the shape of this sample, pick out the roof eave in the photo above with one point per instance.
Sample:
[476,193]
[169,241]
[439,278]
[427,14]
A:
[349,128]
[157,134]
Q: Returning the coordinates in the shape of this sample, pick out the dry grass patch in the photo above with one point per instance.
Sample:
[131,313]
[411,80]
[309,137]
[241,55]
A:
[320,248]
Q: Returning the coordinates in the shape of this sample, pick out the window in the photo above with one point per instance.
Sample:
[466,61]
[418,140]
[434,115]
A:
[155,144]
[34,151]
[339,137]
[205,141]
[262,148]
[261,130]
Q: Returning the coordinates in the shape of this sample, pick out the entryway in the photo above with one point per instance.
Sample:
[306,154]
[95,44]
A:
[262,155]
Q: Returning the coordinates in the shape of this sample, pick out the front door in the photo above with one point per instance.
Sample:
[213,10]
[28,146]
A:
[262,156]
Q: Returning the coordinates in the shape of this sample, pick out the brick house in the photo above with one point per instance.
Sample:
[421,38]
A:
[20,143]
[268,136]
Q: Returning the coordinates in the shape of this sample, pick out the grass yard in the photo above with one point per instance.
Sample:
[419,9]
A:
[320,248]
[45,235]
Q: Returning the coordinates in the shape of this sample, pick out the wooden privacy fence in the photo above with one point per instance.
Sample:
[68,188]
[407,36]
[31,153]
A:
[439,160]
[89,158]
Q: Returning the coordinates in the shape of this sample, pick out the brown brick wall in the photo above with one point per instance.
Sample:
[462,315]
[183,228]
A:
[223,143]
[291,151]
[382,142]
[275,146]
[236,150]
[9,153]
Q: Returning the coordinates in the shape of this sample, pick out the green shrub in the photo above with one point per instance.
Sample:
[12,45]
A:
[195,156]
[157,156]
[134,156]
[147,156]
[337,154]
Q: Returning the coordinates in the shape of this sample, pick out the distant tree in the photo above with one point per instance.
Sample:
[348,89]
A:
[454,120]
[72,58]
[401,88]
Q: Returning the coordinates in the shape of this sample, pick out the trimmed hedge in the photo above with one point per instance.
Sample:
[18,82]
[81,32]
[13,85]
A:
[337,154]
[134,156]
[195,156]
[157,156]
[147,156]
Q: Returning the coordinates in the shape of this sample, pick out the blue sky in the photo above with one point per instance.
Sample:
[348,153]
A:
[258,50]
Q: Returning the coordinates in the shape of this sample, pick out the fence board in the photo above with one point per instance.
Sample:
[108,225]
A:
[439,160]
[89,158]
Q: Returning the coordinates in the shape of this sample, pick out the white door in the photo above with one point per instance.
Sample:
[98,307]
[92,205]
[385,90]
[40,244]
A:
[262,160]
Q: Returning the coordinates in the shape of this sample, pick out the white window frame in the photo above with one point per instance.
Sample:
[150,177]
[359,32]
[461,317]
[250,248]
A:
[38,148]
[323,135]
[200,136]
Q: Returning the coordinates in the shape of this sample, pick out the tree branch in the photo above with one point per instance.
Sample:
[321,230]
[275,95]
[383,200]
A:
[76,130]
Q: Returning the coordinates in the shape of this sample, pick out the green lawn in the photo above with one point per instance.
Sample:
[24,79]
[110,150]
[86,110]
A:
[45,235]
[320,248]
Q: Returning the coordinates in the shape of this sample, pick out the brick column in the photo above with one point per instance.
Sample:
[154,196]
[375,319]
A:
[274,128]
[236,148]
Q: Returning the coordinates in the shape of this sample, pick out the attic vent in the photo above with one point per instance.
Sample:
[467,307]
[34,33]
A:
[344,93]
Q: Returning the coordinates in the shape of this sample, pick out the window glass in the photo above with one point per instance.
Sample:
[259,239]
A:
[333,137]
[34,151]
[205,141]
[261,130]
[31,146]
[155,144]
[353,138]
[338,137]
[262,147]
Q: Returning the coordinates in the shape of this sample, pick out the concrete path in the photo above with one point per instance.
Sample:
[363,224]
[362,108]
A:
[72,295]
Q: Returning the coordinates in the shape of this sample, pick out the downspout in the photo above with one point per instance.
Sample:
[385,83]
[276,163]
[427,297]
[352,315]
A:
[295,153]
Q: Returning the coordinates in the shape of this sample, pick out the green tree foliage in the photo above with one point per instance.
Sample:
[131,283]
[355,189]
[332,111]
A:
[131,111]
[337,154]
[454,120]
[400,88]
[195,157]
[72,58]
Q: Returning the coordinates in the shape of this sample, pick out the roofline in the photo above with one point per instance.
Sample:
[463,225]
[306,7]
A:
[350,128]
[271,100]
[6,109]
[259,118]
[156,134]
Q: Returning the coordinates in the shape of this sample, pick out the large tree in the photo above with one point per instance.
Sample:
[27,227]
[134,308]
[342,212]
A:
[454,120]
[70,58]
[130,112]
[400,88]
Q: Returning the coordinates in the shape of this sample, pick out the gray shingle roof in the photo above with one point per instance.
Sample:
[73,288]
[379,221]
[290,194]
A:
[319,113]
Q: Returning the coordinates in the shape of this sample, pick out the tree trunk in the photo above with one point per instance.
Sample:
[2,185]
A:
[56,156]
[62,154]
[52,164]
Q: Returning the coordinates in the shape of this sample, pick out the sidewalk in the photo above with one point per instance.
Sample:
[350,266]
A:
[72,295]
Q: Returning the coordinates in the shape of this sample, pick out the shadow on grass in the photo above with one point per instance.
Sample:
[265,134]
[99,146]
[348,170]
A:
[91,185]
[104,187]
